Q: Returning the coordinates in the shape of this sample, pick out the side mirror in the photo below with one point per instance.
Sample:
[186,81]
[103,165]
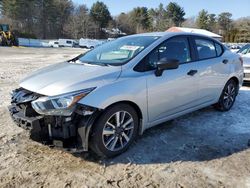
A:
[166,64]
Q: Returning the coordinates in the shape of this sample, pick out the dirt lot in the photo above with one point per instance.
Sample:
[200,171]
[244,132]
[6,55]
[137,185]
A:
[202,149]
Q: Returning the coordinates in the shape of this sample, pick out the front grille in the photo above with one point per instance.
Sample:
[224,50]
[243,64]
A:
[21,95]
[21,102]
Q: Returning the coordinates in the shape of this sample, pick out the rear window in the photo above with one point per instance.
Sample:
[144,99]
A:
[5,28]
[205,49]
[219,49]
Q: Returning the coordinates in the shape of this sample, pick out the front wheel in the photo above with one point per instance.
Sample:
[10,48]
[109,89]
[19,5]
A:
[114,131]
[228,96]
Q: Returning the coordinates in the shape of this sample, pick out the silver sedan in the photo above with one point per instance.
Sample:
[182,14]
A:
[105,98]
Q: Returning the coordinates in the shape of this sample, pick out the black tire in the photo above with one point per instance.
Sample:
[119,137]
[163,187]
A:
[98,138]
[15,41]
[227,97]
[3,41]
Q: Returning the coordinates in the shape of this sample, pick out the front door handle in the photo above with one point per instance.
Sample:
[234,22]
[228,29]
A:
[192,72]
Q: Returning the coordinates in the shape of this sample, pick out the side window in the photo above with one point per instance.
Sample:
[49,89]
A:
[219,49]
[175,48]
[205,48]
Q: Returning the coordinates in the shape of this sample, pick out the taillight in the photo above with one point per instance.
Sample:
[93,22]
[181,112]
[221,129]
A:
[241,61]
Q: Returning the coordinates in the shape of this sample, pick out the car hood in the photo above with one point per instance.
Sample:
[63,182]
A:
[67,77]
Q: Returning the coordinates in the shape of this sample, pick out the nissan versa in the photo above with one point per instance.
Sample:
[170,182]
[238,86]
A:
[103,99]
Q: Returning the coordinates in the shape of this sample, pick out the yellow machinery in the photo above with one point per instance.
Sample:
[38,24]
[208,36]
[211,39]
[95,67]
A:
[7,38]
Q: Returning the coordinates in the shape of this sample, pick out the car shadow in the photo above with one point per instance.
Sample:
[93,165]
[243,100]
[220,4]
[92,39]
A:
[203,135]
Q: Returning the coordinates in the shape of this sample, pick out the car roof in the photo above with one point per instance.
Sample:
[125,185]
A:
[156,34]
[170,34]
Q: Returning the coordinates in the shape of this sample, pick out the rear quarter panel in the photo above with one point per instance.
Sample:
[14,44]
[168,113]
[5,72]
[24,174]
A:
[235,66]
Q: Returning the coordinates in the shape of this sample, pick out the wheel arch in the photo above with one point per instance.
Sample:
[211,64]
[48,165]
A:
[219,105]
[234,78]
[94,132]
[132,104]
[137,109]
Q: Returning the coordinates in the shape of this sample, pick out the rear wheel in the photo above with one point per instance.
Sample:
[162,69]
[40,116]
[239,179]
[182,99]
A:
[228,96]
[114,131]
[3,41]
[15,41]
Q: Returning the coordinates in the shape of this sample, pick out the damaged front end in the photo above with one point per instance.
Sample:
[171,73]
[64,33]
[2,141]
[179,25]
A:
[57,121]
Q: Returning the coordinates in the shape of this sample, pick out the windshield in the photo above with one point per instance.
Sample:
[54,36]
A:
[245,49]
[119,51]
[4,27]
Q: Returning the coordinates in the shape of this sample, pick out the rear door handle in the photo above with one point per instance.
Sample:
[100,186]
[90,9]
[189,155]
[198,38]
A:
[192,72]
[225,61]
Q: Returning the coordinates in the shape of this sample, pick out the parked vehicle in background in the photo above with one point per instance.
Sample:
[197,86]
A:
[105,98]
[67,43]
[245,54]
[111,39]
[90,43]
[234,47]
[54,43]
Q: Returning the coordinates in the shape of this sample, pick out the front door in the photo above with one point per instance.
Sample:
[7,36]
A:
[176,90]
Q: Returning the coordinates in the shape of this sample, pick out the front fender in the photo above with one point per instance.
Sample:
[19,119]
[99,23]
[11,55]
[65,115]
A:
[129,88]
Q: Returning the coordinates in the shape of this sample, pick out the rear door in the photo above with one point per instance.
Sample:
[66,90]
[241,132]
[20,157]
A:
[213,68]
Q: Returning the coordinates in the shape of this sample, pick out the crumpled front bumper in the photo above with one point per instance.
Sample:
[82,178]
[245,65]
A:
[68,133]
[23,121]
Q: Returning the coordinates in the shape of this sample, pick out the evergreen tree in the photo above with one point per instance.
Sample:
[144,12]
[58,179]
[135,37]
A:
[159,18]
[225,21]
[175,14]
[140,19]
[203,20]
[100,14]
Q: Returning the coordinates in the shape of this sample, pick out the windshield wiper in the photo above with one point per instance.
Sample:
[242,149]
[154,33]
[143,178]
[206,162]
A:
[76,58]
[77,61]
[99,63]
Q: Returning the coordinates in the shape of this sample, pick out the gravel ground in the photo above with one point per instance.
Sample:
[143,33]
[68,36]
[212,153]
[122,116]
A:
[202,149]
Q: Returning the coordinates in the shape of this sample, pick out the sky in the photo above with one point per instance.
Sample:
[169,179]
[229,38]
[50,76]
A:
[239,8]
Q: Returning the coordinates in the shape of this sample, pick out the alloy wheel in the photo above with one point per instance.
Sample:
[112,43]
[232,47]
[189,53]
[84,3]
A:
[118,131]
[229,96]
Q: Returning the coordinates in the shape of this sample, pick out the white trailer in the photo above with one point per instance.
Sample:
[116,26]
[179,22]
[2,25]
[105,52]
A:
[54,43]
[67,43]
[90,43]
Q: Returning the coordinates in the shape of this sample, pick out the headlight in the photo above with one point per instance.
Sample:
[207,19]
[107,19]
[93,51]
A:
[60,105]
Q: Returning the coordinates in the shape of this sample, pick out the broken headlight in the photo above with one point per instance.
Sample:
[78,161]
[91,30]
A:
[60,105]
